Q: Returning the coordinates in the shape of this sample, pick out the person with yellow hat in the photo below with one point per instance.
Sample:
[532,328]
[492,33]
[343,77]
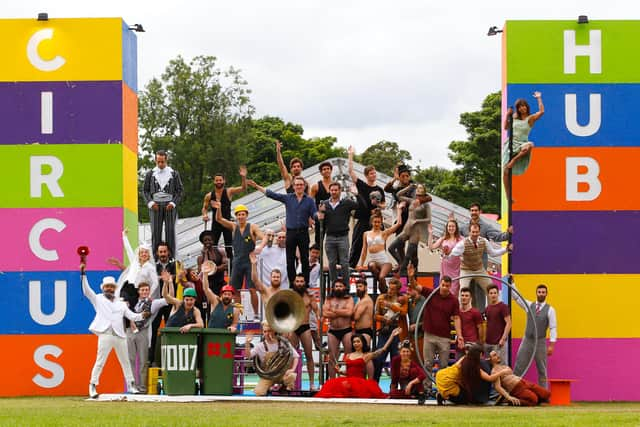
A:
[244,240]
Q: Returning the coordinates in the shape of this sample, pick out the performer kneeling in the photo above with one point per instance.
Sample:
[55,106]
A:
[275,360]
[406,375]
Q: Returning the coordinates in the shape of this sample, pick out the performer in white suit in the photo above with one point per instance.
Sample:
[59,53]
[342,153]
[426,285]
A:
[109,328]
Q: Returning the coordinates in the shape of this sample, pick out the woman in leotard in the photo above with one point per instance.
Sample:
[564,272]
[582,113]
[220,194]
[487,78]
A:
[374,244]
[523,121]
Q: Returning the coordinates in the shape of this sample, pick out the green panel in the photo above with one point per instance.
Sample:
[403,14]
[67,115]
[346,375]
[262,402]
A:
[217,361]
[91,177]
[535,52]
[130,221]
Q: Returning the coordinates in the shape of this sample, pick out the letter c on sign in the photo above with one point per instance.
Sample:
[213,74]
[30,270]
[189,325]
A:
[35,58]
[36,232]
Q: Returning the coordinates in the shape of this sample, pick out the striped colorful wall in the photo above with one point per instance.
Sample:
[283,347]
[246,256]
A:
[576,210]
[69,142]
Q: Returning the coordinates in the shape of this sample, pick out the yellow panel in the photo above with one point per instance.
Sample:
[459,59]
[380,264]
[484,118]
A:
[130,179]
[88,49]
[587,305]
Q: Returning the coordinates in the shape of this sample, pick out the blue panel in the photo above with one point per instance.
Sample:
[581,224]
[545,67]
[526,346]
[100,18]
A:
[129,57]
[78,311]
[618,121]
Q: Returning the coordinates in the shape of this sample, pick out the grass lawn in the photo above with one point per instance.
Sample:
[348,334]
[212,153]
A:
[69,411]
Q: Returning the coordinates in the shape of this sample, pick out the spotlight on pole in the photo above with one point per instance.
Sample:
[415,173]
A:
[493,31]
[583,19]
[43,16]
[137,28]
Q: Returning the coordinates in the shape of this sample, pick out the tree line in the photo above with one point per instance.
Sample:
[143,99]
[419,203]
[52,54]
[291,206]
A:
[203,116]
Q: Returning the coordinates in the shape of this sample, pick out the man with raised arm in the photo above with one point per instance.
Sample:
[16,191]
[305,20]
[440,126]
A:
[266,291]
[295,165]
[224,195]
[108,325]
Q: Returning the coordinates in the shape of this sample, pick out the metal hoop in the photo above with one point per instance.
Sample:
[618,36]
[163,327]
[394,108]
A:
[530,315]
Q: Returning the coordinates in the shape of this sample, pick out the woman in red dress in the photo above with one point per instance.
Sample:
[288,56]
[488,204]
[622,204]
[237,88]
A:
[406,375]
[355,384]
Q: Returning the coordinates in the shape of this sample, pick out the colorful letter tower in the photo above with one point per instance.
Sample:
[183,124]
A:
[68,144]
[576,210]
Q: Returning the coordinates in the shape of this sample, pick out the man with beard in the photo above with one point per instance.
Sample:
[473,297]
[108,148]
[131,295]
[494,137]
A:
[391,312]
[338,308]
[109,328]
[295,165]
[266,291]
[224,314]
[370,196]
[303,333]
[212,254]
[544,317]
[245,236]
[273,255]
[363,311]
[162,191]
[223,195]
[164,263]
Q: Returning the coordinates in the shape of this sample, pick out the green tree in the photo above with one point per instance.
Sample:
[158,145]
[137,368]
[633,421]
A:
[201,115]
[384,155]
[261,151]
[478,158]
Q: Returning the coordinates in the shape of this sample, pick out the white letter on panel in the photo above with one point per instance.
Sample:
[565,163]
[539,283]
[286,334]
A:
[57,373]
[36,232]
[571,114]
[35,303]
[593,50]
[50,179]
[46,112]
[590,177]
[35,58]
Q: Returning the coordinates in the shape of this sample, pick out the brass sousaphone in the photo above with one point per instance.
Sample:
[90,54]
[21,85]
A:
[285,312]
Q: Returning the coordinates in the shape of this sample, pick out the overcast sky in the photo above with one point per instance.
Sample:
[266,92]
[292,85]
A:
[362,71]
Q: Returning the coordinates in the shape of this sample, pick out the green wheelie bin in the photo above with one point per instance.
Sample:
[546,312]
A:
[179,353]
[218,346]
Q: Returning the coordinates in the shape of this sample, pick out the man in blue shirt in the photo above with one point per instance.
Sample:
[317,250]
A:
[300,211]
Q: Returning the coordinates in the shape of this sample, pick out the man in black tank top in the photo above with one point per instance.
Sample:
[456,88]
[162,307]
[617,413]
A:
[295,165]
[224,195]
[320,191]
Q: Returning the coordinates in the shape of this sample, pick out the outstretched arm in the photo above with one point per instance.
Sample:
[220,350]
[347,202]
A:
[167,289]
[219,218]
[534,117]
[352,173]
[283,168]
[243,185]
[374,354]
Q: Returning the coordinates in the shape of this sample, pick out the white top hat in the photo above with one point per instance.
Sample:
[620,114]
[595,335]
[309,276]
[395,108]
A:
[108,280]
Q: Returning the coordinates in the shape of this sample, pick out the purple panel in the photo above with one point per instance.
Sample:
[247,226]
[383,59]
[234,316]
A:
[576,242]
[83,112]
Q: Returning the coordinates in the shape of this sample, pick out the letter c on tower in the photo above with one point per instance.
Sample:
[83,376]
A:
[35,58]
[34,238]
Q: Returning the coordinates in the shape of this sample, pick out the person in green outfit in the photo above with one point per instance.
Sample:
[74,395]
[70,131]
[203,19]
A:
[523,121]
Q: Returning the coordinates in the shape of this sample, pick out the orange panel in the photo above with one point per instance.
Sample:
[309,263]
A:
[61,364]
[543,186]
[129,118]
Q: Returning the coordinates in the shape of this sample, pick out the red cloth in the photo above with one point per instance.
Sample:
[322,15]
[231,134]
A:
[530,394]
[495,314]
[400,378]
[353,385]
[436,317]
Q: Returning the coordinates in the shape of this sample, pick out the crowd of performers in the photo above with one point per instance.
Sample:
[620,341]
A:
[129,310]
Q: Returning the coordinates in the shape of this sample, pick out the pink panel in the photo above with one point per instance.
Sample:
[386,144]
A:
[98,228]
[604,369]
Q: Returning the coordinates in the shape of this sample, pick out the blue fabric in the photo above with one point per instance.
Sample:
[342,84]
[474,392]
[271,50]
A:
[298,213]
